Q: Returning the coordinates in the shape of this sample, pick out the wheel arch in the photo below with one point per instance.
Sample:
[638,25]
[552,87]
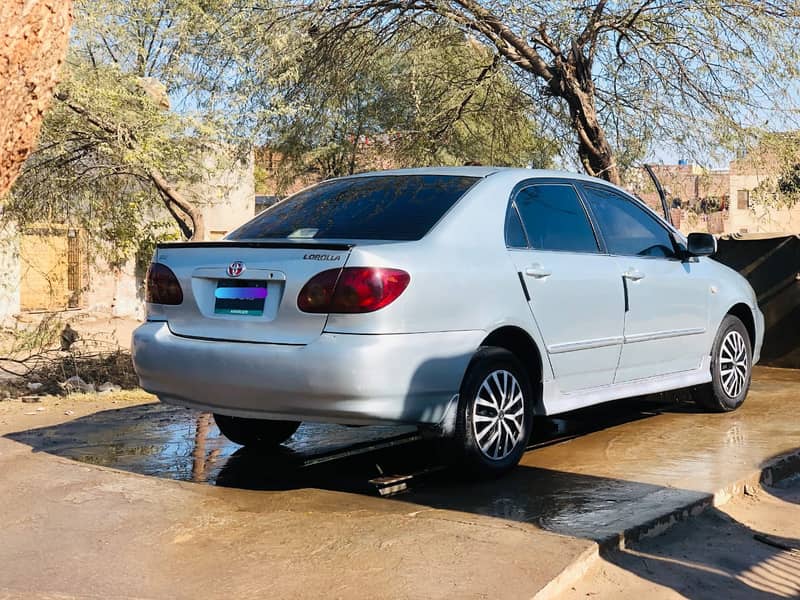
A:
[517,341]
[745,314]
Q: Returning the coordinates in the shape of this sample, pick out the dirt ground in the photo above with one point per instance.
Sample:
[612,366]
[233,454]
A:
[16,415]
[748,549]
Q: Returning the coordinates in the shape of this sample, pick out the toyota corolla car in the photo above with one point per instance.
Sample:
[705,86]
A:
[466,300]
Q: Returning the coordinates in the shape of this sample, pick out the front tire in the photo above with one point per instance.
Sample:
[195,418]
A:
[731,368]
[255,433]
[495,414]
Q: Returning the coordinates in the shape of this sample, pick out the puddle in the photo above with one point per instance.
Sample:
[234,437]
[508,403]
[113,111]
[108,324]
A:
[171,442]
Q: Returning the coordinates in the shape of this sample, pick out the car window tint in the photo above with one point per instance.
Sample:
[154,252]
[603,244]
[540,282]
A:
[627,228]
[386,207]
[515,235]
[554,218]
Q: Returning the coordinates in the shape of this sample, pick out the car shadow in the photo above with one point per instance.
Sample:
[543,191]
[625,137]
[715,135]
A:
[177,443]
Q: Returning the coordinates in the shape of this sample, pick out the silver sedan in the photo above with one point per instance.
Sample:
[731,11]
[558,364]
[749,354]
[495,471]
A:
[466,300]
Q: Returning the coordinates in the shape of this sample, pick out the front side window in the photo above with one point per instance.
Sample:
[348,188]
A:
[555,219]
[381,207]
[627,229]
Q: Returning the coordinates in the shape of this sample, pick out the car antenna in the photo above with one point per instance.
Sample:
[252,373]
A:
[661,194]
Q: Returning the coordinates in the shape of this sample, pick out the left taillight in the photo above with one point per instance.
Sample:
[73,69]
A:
[162,285]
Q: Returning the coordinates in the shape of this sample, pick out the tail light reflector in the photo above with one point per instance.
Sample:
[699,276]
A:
[162,285]
[352,290]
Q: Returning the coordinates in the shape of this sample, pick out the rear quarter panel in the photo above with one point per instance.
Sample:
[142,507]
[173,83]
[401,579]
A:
[462,277]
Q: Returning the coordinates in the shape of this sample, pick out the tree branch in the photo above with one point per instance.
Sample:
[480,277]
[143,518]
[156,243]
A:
[169,193]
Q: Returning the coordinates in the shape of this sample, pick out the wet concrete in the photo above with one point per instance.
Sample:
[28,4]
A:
[175,443]
[590,474]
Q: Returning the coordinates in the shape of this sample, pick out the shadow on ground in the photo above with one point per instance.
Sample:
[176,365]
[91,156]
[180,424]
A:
[176,443]
[714,556]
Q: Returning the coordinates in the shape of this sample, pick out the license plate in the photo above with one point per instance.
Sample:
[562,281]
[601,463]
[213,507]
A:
[240,297]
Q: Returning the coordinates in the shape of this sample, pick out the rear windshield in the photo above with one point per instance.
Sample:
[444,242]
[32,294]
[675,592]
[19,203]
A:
[386,207]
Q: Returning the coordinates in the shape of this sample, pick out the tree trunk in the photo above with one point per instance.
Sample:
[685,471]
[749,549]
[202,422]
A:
[176,199]
[33,43]
[572,82]
[594,151]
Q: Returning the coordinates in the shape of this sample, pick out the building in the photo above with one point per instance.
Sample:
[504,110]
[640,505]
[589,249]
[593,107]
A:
[742,198]
[757,206]
[697,196]
[51,267]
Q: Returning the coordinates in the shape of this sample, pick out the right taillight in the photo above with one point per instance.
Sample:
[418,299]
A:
[162,285]
[352,290]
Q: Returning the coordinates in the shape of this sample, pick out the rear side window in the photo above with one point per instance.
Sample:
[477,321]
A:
[555,219]
[515,235]
[386,207]
[627,228]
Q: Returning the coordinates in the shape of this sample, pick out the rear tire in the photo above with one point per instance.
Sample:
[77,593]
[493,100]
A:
[255,433]
[495,414]
[731,368]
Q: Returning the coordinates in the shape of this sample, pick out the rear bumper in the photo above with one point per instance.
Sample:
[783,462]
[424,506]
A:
[340,378]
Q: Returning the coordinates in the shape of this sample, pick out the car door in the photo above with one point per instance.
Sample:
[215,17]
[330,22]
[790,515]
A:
[574,290]
[666,310]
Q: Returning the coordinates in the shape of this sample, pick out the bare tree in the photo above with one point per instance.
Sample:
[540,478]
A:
[32,47]
[616,74]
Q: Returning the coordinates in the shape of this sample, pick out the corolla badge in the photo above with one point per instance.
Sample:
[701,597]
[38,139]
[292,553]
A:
[236,268]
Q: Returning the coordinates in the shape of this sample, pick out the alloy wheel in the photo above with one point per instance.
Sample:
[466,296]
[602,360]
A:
[498,415]
[733,367]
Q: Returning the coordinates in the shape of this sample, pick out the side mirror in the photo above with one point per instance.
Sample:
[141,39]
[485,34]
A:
[701,244]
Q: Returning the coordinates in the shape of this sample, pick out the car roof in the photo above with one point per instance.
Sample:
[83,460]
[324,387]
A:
[515,173]
[481,172]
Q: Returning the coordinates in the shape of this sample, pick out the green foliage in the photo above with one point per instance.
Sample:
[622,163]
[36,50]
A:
[775,159]
[433,97]
[637,75]
[111,127]
[98,180]
[463,106]
[154,233]
[261,178]
[789,181]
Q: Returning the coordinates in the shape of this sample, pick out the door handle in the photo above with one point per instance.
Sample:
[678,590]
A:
[537,271]
[633,274]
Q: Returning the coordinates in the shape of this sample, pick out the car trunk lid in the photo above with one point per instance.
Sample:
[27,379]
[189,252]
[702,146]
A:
[246,291]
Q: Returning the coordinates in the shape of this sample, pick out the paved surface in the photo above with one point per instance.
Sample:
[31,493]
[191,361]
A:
[307,521]
[747,550]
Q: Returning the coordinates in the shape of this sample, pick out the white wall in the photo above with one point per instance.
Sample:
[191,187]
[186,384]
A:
[9,271]
[114,291]
[759,218]
[227,197]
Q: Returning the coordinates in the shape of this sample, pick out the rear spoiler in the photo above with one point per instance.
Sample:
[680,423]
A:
[237,244]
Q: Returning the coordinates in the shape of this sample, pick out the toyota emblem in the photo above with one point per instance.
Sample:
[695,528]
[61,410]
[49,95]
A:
[236,268]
